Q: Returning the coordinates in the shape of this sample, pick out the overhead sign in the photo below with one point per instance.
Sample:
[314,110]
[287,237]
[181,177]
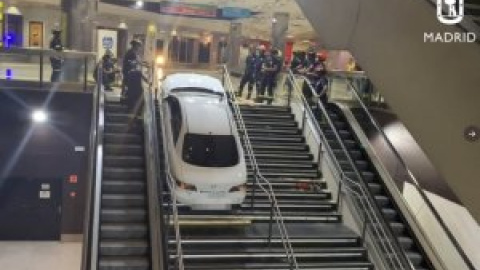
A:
[235,12]
[187,9]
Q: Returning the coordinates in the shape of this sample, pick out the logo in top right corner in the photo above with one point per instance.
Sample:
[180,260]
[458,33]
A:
[450,11]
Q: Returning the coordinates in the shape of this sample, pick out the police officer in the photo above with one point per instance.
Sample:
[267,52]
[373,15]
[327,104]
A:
[279,64]
[261,57]
[316,73]
[132,77]
[250,73]
[108,70]
[269,71]
[56,61]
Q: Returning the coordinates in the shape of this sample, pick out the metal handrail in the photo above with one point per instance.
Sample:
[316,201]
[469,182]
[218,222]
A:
[173,198]
[412,177]
[258,176]
[393,248]
[153,162]
[94,190]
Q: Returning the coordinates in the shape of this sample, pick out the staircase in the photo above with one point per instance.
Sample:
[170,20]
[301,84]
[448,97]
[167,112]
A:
[124,234]
[372,179]
[240,238]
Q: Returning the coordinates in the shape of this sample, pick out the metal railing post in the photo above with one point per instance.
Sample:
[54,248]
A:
[270,225]
[85,73]
[41,70]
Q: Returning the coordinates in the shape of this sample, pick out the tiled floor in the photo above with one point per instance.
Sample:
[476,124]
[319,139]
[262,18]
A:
[26,255]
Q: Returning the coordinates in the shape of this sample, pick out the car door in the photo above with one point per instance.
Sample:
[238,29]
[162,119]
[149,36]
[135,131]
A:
[174,126]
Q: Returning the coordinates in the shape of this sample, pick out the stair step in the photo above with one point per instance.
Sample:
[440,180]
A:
[260,108]
[135,150]
[389,214]
[118,117]
[124,263]
[349,144]
[124,161]
[123,186]
[286,156]
[111,107]
[122,138]
[366,175]
[281,148]
[124,231]
[361,165]
[123,248]
[282,266]
[123,200]
[300,175]
[277,139]
[123,128]
[344,134]
[262,123]
[273,132]
[122,173]
[322,242]
[266,116]
[123,215]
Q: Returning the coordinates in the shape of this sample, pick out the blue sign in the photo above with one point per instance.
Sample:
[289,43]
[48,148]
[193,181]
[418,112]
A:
[234,12]
[107,42]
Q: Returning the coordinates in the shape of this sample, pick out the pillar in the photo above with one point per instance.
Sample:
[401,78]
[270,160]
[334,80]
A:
[78,25]
[279,30]
[234,42]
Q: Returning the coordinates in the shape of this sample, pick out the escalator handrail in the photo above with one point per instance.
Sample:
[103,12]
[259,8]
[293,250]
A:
[152,157]
[94,184]
[412,177]
[392,242]
[171,183]
[257,174]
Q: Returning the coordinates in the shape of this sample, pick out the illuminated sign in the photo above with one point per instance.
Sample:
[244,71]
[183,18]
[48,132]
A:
[234,12]
[186,9]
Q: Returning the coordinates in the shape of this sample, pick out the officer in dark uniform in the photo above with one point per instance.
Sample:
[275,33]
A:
[316,74]
[132,77]
[279,64]
[259,74]
[108,70]
[269,71]
[250,73]
[56,61]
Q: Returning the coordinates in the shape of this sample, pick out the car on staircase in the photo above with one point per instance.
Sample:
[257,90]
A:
[204,149]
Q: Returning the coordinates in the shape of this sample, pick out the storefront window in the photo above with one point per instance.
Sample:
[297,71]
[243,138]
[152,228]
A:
[204,52]
[181,50]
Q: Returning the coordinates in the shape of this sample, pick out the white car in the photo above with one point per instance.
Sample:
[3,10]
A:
[204,150]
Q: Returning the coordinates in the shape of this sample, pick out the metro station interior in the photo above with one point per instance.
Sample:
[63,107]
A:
[239,134]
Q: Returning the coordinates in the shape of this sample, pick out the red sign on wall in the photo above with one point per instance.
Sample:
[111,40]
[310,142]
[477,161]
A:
[188,9]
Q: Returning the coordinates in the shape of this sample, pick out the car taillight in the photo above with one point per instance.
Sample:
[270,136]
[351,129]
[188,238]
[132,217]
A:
[185,186]
[238,188]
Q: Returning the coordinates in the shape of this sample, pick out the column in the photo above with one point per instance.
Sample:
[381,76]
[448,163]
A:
[234,42]
[279,30]
[78,25]
[78,18]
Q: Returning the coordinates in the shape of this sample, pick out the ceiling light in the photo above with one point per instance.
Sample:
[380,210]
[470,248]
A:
[13,10]
[274,20]
[174,32]
[139,4]
[122,25]
[39,116]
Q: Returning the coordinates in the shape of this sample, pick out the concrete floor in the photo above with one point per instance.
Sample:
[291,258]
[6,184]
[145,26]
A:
[27,255]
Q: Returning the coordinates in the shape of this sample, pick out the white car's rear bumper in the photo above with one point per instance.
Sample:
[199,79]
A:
[209,200]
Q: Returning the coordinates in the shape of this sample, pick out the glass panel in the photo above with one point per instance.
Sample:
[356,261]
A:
[210,150]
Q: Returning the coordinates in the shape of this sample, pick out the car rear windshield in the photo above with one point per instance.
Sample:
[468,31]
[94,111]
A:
[210,150]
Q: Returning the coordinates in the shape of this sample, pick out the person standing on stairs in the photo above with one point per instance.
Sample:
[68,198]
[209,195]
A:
[269,71]
[132,72]
[250,73]
[56,61]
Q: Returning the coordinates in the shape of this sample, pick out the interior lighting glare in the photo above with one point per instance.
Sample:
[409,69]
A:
[160,60]
[139,4]
[39,116]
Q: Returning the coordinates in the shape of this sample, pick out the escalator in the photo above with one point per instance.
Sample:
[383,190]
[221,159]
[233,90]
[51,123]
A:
[372,179]
[123,228]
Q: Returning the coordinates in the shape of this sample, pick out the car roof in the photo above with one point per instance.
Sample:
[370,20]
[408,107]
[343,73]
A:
[192,80]
[205,114]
